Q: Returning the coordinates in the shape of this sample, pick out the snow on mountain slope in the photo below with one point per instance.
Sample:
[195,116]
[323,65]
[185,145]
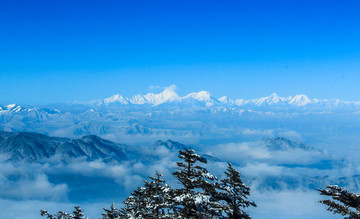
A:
[13,108]
[300,100]
[92,147]
[199,96]
[28,146]
[168,115]
[168,95]
[117,98]
[274,100]
[225,100]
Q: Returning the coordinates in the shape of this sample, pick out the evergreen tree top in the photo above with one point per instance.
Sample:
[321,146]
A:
[189,156]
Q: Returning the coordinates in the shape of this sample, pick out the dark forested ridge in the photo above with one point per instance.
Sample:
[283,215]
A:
[31,147]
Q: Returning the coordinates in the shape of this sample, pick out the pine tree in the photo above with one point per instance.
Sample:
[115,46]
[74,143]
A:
[135,205]
[158,195]
[151,201]
[112,213]
[346,204]
[77,214]
[235,194]
[195,197]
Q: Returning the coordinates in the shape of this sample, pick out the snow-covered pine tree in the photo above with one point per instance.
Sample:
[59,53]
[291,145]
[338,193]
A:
[346,204]
[194,199]
[151,201]
[112,213]
[234,193]
[158,195]
[77,214]
[135,205]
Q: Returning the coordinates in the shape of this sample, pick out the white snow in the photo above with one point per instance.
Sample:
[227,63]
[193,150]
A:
[224,99]
[14,108]
[115,98]
[169,95]
[300,100]
[203,96]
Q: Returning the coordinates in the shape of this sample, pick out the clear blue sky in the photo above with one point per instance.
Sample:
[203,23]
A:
[56,51]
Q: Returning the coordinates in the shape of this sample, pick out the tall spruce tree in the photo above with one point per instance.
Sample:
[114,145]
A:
[235,194]
[194,198]
[346,203]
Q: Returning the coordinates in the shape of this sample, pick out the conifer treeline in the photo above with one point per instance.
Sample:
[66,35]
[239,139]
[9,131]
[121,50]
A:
[201,195]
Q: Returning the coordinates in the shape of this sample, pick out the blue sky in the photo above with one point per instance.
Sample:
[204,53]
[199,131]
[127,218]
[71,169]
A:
[56,51]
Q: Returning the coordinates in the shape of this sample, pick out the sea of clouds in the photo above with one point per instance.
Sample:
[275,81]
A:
[277,179]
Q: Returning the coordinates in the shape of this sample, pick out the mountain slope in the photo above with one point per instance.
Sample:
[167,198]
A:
[28,146]
[32,147]
[281,143]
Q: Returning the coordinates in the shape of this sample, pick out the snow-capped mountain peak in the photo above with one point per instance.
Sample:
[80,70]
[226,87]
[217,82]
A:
[168,95]
[272,99]
[13,108]
[202,96]
[117,98]
[300,100]
[224,100]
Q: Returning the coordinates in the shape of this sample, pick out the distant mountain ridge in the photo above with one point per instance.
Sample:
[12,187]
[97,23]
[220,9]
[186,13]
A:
[204,98]
[170,96]
[30,147]
[166,115]
[281,144]
[169,144]
[34,147]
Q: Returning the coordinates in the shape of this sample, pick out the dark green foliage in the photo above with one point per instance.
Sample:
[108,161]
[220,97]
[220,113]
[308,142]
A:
[346,203]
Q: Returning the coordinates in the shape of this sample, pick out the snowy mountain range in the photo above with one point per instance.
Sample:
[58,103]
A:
[170,96]
[202,98]
[190,118]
